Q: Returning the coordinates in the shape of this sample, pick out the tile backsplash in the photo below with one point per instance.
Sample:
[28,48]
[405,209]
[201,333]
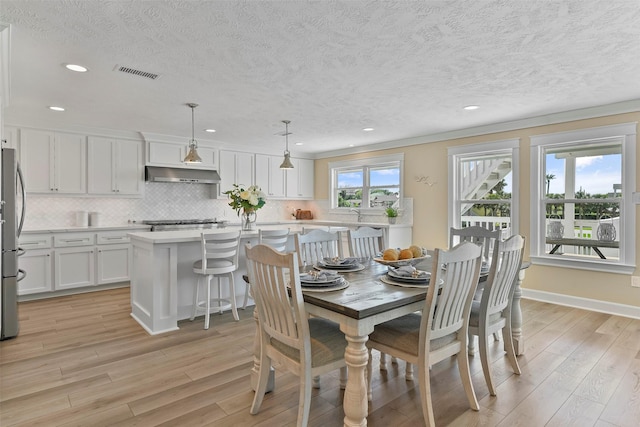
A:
[174,201]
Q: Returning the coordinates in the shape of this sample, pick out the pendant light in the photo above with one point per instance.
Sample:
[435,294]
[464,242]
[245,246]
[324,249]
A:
[192,155]
[286,163]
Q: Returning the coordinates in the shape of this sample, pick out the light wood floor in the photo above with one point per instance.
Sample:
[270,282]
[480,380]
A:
[83,361]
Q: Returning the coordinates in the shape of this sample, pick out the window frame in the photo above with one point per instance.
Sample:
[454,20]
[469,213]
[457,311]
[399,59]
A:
[625,133]
[461,153]
[365,165]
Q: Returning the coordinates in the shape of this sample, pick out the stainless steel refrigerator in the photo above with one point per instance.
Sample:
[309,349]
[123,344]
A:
[12,211]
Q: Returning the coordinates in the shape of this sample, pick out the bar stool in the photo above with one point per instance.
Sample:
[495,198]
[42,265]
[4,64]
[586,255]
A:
[219,259]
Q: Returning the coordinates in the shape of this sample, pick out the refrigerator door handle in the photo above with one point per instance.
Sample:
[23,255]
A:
[24,199]
[20,251]
[21,275]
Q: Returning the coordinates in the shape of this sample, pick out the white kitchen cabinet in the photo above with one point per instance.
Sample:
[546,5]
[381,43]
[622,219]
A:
[53,162]
[235,168]
[114,263]
[74,267]
[269,176]
[115,166]
[171,154]
[37,264]
[10,135]
[300,179]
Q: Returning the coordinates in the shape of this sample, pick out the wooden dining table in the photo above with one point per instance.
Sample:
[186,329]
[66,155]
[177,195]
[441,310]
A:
[366,302]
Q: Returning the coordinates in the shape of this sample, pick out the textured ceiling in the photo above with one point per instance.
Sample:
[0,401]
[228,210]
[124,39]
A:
[405,68]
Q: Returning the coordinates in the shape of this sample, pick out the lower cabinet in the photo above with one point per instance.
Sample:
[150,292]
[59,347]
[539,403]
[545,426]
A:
[114,263]
[37,264]
[63,261]
[74,268]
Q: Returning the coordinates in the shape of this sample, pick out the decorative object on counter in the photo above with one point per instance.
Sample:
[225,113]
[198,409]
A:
[606,230]
[94,219]
[392,214]
[246,202]
[192,155]
[303,214]
[82,219]
[286,163]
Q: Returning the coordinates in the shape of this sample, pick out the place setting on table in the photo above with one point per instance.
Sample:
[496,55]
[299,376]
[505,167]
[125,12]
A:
[325,275]
[401,267]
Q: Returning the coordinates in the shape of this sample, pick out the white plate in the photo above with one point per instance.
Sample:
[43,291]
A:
[343,285]
[356,267]
[422,279]
[389,281]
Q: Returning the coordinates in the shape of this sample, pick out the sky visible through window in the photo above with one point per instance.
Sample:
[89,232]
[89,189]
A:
[594,174]
[378,177]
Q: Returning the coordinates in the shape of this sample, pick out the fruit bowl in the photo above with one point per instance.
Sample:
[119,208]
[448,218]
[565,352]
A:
[402,262]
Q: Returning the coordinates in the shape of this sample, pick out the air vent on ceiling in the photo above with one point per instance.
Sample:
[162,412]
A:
[135,72]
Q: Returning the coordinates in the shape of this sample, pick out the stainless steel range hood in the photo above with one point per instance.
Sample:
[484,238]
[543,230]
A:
[197,176]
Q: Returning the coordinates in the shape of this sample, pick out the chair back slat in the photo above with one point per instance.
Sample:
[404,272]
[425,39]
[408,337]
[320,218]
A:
[316,245]
[282,317]
[277,239]
[481,236]
[498,291]
[459,270]
[366,242]
[220,246]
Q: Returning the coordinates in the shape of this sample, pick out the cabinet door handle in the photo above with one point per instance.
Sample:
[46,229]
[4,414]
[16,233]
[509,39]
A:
[74,241]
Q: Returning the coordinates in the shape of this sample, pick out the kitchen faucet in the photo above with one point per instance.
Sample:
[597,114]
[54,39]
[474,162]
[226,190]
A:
[358,212]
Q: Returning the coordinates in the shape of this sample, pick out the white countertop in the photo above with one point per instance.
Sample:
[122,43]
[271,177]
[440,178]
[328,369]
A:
[87,229]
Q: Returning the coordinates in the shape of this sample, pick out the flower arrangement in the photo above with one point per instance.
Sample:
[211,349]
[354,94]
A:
[248,200]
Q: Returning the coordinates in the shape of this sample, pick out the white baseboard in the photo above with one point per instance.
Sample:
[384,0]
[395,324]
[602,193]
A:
[584,303]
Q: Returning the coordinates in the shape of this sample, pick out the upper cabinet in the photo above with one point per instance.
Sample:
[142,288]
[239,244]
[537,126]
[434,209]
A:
[53,162]
[269,177]
[115,166]
[171,154]
[300,179]
[235,168]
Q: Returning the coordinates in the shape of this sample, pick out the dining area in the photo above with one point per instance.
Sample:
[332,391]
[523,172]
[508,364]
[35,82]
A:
[318,311]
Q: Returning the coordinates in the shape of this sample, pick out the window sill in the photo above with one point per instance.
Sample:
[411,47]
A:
[579,264]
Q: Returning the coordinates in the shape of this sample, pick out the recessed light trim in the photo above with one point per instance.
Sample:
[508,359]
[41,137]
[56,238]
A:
[471,107]
[77,68]
[350,145]
[299,143]
[55,108]
[368,129]
[210,130]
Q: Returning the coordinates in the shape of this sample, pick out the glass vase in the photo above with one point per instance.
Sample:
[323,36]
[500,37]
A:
[249,220]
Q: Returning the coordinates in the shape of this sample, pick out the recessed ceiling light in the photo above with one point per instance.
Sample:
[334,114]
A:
[299,143]
[210,130]
[471,107]
[77,68]
[367,129]
[350,145]
[54,108]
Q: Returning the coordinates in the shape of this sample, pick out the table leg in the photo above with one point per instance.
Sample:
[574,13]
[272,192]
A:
[356,406]
[516,316]
[271,383]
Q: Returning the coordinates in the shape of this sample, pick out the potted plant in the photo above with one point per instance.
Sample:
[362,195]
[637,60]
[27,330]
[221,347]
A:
[392,214]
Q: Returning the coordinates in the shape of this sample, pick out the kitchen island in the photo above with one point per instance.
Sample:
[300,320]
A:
[162,278]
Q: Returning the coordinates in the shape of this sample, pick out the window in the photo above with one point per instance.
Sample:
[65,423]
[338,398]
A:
[374,183]
[481,182]
[581,210]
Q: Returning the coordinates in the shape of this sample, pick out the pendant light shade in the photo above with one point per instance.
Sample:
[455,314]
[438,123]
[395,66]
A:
[286,163]
[192,155]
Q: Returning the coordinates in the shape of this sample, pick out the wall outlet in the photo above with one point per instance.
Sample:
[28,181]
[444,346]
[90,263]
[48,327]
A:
[635,281]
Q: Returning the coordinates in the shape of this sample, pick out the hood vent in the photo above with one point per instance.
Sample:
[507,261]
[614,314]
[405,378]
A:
[196,176]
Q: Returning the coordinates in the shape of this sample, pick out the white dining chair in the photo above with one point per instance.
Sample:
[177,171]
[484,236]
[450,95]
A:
[441,330]
[475,234]
[308,347]
[366,242]
[316,245]
[219,258]
[493,312]
[277,239]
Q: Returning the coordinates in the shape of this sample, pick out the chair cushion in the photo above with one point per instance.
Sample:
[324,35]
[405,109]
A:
[403,333]
[327,343]
[474,317]
[213,263]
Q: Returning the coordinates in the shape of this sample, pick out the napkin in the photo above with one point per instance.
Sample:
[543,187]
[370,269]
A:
[345,261]
[320,277]
[408,271]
